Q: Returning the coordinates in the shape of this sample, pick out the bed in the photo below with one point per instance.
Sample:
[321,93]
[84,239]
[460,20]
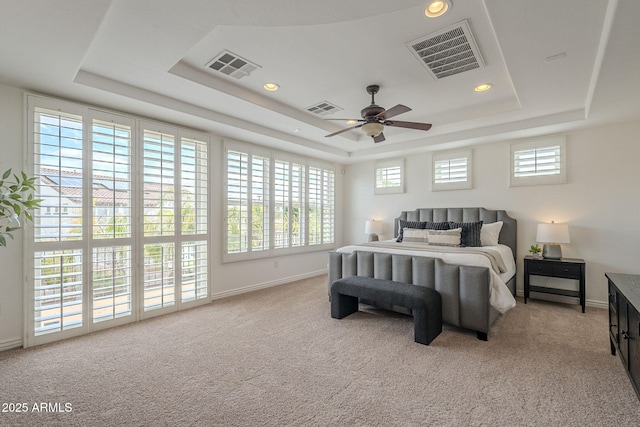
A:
[477,284]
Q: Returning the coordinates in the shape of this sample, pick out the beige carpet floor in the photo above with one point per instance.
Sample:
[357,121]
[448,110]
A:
[276,357]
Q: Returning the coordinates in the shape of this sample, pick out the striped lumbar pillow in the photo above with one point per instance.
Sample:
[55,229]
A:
[445,237]
[412,235]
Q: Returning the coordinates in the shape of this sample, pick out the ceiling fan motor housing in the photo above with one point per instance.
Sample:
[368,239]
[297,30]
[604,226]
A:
[371,111]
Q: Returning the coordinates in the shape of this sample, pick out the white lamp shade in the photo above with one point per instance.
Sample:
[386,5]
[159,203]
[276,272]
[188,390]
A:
[553,233]
[373,227]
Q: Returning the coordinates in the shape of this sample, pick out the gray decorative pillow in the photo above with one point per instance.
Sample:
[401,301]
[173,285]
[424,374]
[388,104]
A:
[409,224]
[437,225]
[445,237]
[470,232]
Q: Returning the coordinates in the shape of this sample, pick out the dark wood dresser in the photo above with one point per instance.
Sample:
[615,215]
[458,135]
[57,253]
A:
[624,322]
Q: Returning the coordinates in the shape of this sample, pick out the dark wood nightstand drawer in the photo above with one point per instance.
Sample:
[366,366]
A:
[540,267]
[570,271]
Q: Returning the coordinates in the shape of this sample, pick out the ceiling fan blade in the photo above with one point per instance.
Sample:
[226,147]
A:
[346,120]
[393,111]
[343,130]
[378,138]
[408,125]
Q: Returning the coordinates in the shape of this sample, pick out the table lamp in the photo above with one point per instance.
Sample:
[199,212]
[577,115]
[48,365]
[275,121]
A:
[552,235]
[373,228]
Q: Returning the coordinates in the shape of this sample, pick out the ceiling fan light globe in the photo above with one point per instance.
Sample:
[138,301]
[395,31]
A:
[373,129]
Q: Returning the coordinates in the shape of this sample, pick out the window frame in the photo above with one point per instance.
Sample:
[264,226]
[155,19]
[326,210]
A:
[385,165]
[327,238]
[449,155]
[538,144]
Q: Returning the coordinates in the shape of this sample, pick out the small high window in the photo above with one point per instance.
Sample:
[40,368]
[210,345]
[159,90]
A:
[452,170]
[539,161]
[389,176]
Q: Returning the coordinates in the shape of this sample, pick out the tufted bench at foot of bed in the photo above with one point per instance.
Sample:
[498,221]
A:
[425,303]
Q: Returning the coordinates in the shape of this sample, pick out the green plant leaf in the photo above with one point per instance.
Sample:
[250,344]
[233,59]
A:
[6,174]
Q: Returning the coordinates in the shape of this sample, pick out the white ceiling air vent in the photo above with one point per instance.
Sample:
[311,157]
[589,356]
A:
[323,108]
[232,65]
[448,52]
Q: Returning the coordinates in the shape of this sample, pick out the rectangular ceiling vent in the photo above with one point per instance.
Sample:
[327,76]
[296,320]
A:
[448,52]
[232,65]
[323,108]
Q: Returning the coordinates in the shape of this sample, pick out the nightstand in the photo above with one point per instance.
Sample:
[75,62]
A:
[564,268]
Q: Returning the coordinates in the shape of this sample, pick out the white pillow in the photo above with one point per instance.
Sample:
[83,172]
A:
[445,237]
[489,233]
[415,235]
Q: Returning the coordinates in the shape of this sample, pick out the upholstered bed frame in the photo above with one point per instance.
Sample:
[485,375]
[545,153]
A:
[465,290]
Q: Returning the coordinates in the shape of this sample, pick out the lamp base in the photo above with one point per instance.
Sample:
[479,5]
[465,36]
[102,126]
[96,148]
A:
[373,237]
[551,251]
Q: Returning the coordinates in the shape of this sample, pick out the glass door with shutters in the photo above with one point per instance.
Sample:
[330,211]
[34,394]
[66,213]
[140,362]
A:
[122,232]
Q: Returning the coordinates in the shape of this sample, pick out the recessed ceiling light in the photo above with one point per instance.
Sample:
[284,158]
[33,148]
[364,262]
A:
[271,87]
[296,130]
[351,122]
[483,87]
[437,8]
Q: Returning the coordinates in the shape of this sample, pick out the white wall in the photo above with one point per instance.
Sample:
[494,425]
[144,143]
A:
[11,149]
[600,202]
[227,279]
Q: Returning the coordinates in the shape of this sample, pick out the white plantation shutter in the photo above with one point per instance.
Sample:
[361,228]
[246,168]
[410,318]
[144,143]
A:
[111,159]
[58,295]
[159,183]
[58,165]
[315,206]
[260,214]
[194,271]
[540,161]
[194,219]
[237,167]
[290,205]
[113,190]
[298,219]
[282,210]
[389,176]
[537,161]
[112,282]
[328,206]
[193,186]
[452,170]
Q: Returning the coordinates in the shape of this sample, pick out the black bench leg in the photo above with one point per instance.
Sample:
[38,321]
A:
[482,336]
[343,305]
[426,325]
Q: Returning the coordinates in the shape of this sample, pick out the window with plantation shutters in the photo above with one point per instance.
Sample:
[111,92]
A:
[389,176]
[111,160]
[275,203]
[122,233]
[539,161]
[452,170]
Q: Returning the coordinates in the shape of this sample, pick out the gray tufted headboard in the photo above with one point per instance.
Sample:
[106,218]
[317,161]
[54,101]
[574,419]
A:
[508,233]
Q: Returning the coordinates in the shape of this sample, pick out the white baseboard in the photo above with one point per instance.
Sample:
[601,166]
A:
[9,344]
[257,286]
[565,300]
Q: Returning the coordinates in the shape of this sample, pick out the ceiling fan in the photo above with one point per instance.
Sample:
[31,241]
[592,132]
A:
[375,118]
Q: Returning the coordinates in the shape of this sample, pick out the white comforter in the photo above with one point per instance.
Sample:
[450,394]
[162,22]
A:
[500,297]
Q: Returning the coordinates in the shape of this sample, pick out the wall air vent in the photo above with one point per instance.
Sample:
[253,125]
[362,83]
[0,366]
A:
[448,52]
[323,108]
[232,65]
